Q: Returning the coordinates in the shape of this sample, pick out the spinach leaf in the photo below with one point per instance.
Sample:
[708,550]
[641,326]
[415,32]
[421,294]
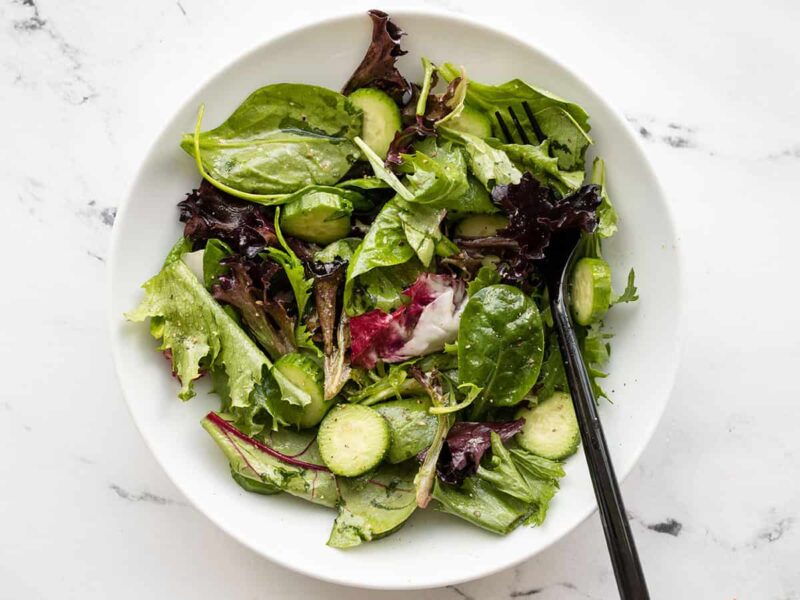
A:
[382,287]
[481,503]
[412,427]
[282,138]
[490,165]
[373,505]
[500,346]
[564,123]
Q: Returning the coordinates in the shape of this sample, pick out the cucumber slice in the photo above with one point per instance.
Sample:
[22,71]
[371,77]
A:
[353,439]
[412,428]
[478,226]
[472,121]
[381,118]
[590,294]
[319,217]
[551,429]
[305,373]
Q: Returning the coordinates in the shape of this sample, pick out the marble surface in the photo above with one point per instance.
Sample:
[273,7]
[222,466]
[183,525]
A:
[711,86]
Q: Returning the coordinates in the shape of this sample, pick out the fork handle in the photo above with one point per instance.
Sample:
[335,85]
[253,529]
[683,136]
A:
[621,546]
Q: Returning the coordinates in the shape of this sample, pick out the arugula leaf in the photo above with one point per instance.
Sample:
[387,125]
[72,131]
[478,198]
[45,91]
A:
[490,165]
[503,474]
[280,139]
[195,329]
[373,505]
[297,471]
[631,293]
[381,171]
[563,123]
[293,267]
[606,214]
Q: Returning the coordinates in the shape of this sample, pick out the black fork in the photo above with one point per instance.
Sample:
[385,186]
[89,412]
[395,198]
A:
[557,266]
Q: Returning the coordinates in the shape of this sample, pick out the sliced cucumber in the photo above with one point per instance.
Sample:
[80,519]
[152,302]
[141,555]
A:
[412,427]
[381,118]
[551,429]
[353,439]
[472,121]
[304,372]
[319,217]
[590,295]
[478,226]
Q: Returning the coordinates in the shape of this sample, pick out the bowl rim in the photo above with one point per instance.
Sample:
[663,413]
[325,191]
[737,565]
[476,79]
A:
[332,18]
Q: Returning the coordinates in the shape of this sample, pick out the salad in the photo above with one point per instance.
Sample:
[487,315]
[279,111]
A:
[358,279]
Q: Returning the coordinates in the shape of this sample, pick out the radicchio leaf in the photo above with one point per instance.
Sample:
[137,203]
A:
[465,446]
[211,213]
[435,302]
[377,68]
[246,287]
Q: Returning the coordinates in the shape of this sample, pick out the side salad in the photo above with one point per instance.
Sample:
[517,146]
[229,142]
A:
[358,278]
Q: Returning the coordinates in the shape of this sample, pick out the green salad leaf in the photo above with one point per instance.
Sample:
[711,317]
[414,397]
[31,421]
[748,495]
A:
[500,346]
[565,124]
[282,138]
[537,161]
[373,505]
[289,461]
[213,254]
[490,165]
[412,427]
[293,267]
[437,179]
[606,214]
[486,276]
[198,332]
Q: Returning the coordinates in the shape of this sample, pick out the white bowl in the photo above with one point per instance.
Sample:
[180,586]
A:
[433,549]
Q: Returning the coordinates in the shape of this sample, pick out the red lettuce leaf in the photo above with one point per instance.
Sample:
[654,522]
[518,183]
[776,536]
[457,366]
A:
[211,213]
[246,287]
[535,214]
[465,446]
[377,68]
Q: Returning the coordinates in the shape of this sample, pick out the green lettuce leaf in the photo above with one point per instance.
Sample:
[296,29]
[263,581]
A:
[537,161]
[198,332]
[491,166]
[437,179]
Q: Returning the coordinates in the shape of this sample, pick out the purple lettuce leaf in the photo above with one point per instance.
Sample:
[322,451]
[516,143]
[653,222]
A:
[377,68]
[465,446]
[246,287]
[211,213]
[535,214]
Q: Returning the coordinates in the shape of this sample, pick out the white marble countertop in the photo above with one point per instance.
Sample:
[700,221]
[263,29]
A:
[712,87]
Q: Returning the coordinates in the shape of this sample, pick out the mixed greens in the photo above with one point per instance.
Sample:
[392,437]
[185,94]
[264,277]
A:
[358,278]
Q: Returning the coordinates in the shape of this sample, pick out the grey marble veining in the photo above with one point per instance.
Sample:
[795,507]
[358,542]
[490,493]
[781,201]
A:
[711,89]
